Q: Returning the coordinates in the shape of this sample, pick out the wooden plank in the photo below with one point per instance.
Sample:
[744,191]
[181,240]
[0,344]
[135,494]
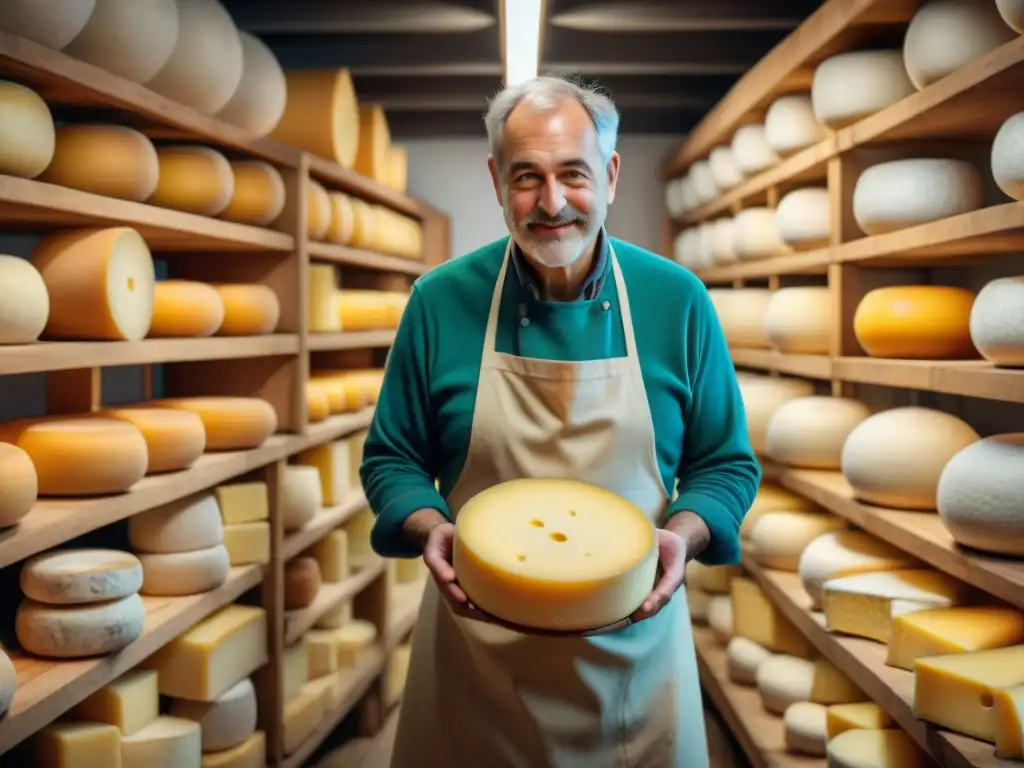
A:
[355,257]
[808,366]
[331,342]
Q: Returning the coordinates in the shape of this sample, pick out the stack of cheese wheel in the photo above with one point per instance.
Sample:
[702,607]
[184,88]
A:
[850,86]
[741,313]
[258,196]
[762,396]
[341,397]
[364,384]
[995,330]
[798,321]
[371,310]
[301,582]
[27,133]
[809,432]
[231,423]
[227,724]
[185,309]
[245,513]
[193,179]
[916,322]
[790,125]
[24,302]
[80,603]
[182,546]
[109,160]
[250,309]
[803,218]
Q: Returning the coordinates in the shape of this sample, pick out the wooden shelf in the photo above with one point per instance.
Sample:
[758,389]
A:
[808,366]
[337,427]
[353,183]
[330,342]
[330,596]
[326,521]
[354,257]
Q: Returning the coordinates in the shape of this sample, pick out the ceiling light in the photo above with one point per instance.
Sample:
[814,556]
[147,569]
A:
[521,22]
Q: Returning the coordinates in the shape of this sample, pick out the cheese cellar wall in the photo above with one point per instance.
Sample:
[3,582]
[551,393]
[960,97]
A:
[853,207]
[204,261]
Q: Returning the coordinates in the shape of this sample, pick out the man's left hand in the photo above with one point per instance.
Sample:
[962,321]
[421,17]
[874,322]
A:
[672,566]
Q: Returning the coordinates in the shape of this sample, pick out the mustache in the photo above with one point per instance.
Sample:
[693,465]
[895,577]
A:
[568,215]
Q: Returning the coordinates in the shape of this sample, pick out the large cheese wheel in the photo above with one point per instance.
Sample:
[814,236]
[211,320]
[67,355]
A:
[53,23]
[79,631]
[773,498]
[100,282]
[193,179]
[18,484]
[132,40]
[206,65]
[174,439]
[762,396]
[249,309]
[724,170]
[318,210]
[1008,155]
[805,729]
[790,125]
[77,576]
[882,748]
[180,574]
[756,234]
[798,321]
[1012,12]
[741,312]
[850,86]
[27,134]
[374,140]
[185,525]
[810,432]
[258,196]
[24,302]
[185,309]
[743,658]
[703,181]
[321,115]
[903,193]
[944,35]
[538,553]
[778,538]
[915,322]
[109,160]
[723,249]
[894,458]
[997,327]
[751,150]
[232,423]
[980,493]
[227,721]
[804,218]
[259,100]
[784,680]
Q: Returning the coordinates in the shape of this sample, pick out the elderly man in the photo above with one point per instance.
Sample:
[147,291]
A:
[647,402]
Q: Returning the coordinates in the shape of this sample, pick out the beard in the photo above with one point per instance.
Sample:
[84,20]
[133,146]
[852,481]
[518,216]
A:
[553,252]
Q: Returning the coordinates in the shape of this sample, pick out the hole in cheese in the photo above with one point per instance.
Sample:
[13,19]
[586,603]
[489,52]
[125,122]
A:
[131,285]
[572,513]
[558,536]
[537,523]
[987,701]
[521,558]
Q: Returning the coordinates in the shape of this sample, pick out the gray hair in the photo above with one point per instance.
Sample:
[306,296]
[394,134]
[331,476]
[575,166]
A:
[546,92]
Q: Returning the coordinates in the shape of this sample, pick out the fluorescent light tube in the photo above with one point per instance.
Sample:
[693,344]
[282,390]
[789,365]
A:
[522,39]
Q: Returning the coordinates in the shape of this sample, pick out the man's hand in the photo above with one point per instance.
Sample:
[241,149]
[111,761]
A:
[438,547]
[672,567]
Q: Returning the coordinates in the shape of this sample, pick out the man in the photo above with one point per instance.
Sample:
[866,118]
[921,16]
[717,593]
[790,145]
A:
[645,396]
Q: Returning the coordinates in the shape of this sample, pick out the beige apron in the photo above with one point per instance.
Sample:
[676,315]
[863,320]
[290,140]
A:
[483,696]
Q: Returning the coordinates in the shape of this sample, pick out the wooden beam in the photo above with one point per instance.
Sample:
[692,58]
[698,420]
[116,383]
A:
[315,17]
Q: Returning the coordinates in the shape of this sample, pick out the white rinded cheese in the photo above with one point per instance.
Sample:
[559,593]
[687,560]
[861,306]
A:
[19,485]
[784,680]
[744,658]
[853,85]
[1012,12]
[809,432]
[703,181]
[707,244]
[804,728]
[764,395]
[184,525]
[673,198]
[741,312]
[779,537]
[259,100]
[861,748]
[723,250]
[790,125]
[756,234]
[77,631]
[301,495]
[751,151]
[24,302]
[773,498]
[132,40]
[997,326]
[720,617]
[185,573]
[803,218]
[27,133]
[167,741]
[227,721]
[1008,155]
[798,321]
[74,576]
[53,23]
[724,170]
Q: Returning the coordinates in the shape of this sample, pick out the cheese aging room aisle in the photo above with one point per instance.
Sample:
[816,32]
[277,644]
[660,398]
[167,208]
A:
[185,561]
[854,206]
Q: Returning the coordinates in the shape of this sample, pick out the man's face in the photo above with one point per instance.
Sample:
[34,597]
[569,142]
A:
[552,183]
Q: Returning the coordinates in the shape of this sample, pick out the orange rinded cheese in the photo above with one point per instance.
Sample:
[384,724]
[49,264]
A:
[342,219]
[343,397]
[174,439]
[110,160]
[318,210]
[24,302]
[397,168]
[87,456]
[334,391]
[193,179]
[18,484]
[374,140]
[321,115]
[258,196]
[318,406]
[916,322]
[27,135]
[100,283]
[249,310]
[185,309]
[368,381]
[232,423]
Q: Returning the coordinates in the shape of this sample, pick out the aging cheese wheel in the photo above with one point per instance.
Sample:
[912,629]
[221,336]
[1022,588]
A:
[536,552]
[249,309]
[894,458]
[132,40]
[363,231]
[798,321]
[75,576]
[997,327]
[762,396]
[185,309]
[193,179]
[751,150]
[343,219]
[53,23]
[784,680]
[720,617]
[850,86]
[301,495]
[724,170]
[321,115]
[756,234]
[179,574]
[773,498]
[78,631]
[258,197]
[80,456]
[374,140]
[398,168]
[1008,154]
[779,538]
[318,210]
[27,134]
[227,721]
[741,312]
[744,657]
[232,423]
[109,160]
[809,432]
[723,249]
[259,100]
[903,193]
[804,724]
[301,582]
[673,198]
[803,218]
[1012,12]
[915,322]
[889,748]
[790,126]
[185,525]
[703,181]
[24,302]
[706,247]
[318,406]
[18,484]
[174,439]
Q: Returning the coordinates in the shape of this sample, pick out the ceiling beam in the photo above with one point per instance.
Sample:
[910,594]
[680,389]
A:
[664,16]
[315,17]
[570,45]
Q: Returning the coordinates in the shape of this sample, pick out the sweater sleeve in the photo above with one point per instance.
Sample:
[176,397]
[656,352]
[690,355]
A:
[398,468]
[719,472]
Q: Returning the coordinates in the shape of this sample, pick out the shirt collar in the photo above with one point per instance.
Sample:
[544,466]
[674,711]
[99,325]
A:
[591,286]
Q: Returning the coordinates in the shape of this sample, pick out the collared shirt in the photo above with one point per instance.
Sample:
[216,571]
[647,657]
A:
[591,286]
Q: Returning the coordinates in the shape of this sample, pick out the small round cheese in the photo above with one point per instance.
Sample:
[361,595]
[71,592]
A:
[798,321]
[790,125]
[1008,155]
[1012,12]
[232,423]
[803,218]
[762,396]
[751,151]
[8,682]
[227,721]
[249,309]
[923,322]
[259,100]
[301,495]
[778,538]
[538,553]
[27,133]
[805,729]
[863,748]
[996,324]
[53,23]
[724,170]
[809,432]
[19,485]
[744,657]
[185,525]
[853,85]
[174,439]
[180,574]
[24,302]
[109,160]
[73,576]
[773,498]
[318,210]
[193,179]
[78,631]
[784,680]
[301,582]
[258,197]
[894,458]
[185,309]
[741,311]
[756,234]
[720,617]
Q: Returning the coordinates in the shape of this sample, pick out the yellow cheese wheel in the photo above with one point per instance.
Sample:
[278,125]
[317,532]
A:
[109,160]
[342,219]
[193,179]
[916,322]
[318,210]
[374,140]
[185,309]
[364,231]
[53,23]
[231,423]
[80,456]
[258,196]
[18,484]
[322,114]
[370,310]
[27,135]
[260,98]
[24,302]
[318,405]
[100,282]
[397,168]
[368,381]
[174,439]
[249,309]
[554,554]
[340,397]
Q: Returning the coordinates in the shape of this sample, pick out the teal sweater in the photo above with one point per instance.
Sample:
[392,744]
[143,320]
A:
[424,415]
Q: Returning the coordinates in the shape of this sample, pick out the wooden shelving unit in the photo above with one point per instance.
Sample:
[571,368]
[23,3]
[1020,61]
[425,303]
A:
[275,367]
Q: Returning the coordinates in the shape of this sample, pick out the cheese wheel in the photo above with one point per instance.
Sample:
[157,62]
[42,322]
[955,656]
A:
[724,170]
[861,748]
[789,125]
[343,219]
[318,210]
[945,35]
[673,200]
[258,196]
[227,721]
[74,576]
[8,682]
[894,458]
[24,302]
[773,498]
[321,115]
[259,100]
[534,552]
[301,582]
[18,485]
[1007,150]
[206,64]
[804,724]
[232,423]
[720,617]
[921,322]
[785,680]
[165,741]
[185,525]
[809,432]
[803,218]
[904,193]
[798,321]
[109,160]
[756,234]
[78,631]
[762,396]
[398,168]
[27,133]
[373,143]
[318,402]
[723,250]
[779,538]
[743,658]
[364,230]
[741,312]
[180,574]
[174,439]
[853,85]
[80,456]
[1012,12]
[193,179]
[249,310]
[751,150]
[53,23]
[301,495]
[997,330]
[185,309]
[131,40]
[979,495]
[703,182]
[100,283]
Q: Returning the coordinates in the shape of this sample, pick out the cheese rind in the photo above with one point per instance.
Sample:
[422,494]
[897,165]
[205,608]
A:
[27,133]
[19,486]
[232,423]
[804,728]
[77,631]
[916,322]
[258,196]
[76,576]
[744,658]
[109,160]
[193,179]
[177,574]
[174,439]
[167,741]
[185,309]
[184,525]
[249,310]
[856,715]
[952,630]
[227,721]
[888,748]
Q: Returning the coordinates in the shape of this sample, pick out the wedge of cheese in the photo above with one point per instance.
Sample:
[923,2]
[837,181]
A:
[952,630]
